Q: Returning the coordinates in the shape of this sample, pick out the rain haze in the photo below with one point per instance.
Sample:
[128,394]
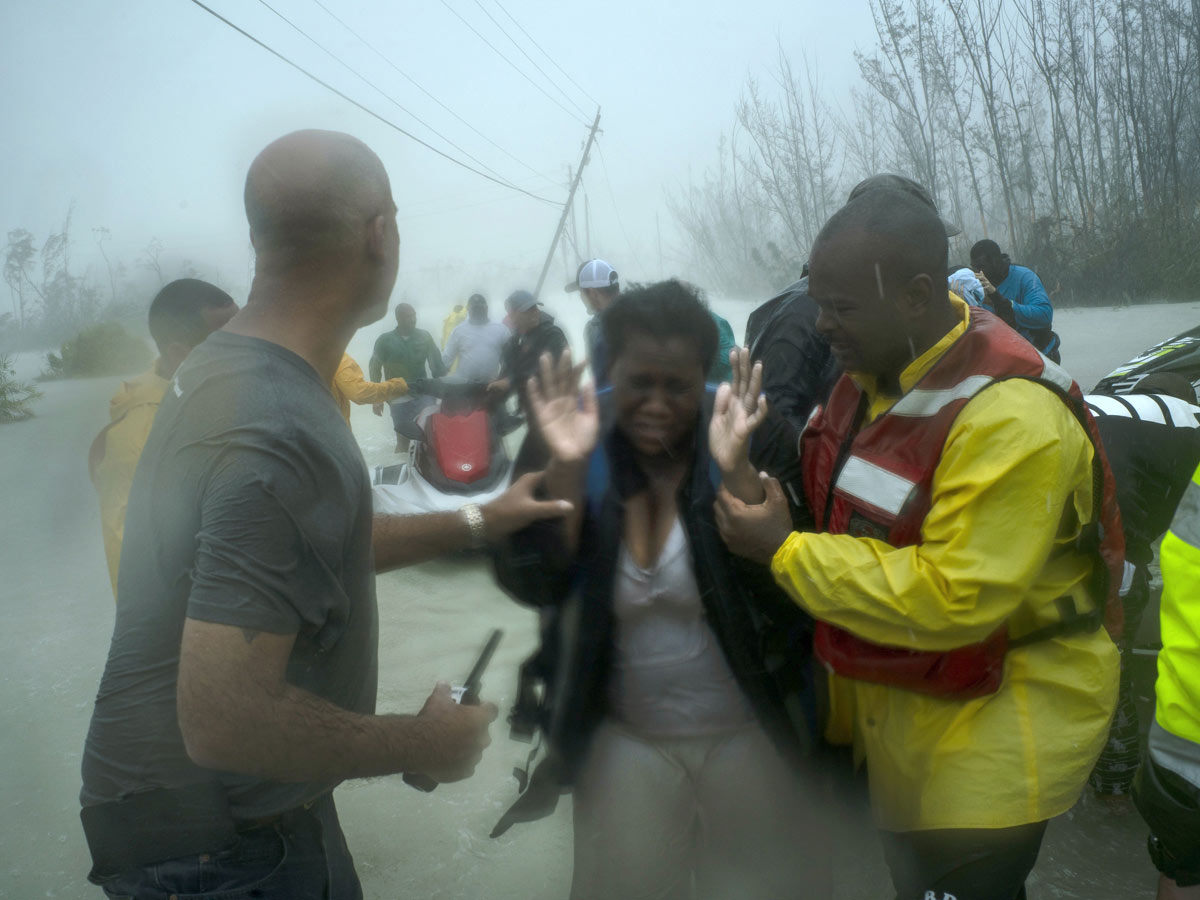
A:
[728,133]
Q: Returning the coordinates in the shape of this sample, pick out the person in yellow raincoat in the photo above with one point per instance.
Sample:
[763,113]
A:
[182,315]
[349,384]
[961,787]
[457,316]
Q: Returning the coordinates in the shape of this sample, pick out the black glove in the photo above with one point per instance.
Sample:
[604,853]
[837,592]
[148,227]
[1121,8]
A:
[1004,309]
[422,386]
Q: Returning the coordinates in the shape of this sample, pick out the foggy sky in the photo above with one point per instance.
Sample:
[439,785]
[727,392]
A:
[146,114]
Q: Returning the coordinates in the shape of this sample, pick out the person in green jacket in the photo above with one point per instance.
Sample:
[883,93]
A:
[404,353]
[1166,788]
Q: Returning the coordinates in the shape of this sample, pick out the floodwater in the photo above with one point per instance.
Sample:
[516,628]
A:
[57,617]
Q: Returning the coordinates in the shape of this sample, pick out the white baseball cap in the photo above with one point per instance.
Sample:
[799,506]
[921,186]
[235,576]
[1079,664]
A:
[595,273]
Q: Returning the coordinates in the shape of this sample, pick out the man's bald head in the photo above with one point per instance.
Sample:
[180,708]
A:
[878,275]
[902,234]
[311,194]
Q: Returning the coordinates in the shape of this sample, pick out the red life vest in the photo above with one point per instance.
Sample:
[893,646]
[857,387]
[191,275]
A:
[875,481]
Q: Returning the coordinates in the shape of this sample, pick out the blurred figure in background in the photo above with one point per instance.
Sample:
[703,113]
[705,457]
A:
[406,352]
[598,285]
[349,385]
[476,345]
[182,315]
[1017,296]
[457,316]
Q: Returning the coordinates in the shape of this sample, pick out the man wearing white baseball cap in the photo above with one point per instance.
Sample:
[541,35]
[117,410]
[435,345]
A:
[599,285]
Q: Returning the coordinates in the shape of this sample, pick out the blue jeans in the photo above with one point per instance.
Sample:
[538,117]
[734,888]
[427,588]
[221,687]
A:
[302,857]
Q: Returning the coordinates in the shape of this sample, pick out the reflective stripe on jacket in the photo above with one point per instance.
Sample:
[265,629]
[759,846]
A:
[1177,707]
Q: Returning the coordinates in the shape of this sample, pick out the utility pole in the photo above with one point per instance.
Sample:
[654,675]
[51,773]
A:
[562,221]
[587,224]
[563,244]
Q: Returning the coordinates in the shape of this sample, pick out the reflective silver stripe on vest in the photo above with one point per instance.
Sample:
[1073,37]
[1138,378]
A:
[874,485]
[1174,753]
[1055,374]
[1186,524]
[919,402]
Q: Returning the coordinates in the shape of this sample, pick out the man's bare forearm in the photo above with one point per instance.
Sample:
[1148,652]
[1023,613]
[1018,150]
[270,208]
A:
[238,714]
[406,540]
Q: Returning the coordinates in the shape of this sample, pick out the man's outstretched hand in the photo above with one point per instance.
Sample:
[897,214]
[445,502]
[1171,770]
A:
[755,531]
[517,507]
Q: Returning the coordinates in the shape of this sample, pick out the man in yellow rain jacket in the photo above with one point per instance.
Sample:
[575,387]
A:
[349,384]
[950,483]
[182,315]
[1167,786]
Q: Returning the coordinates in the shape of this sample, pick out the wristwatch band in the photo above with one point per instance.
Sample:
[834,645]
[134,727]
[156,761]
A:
[473,516]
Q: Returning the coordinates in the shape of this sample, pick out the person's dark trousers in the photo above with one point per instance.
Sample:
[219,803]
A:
[301,856]
[964,864]
[1119,759]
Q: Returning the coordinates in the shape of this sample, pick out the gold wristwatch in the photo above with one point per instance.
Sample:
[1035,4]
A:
[473,516]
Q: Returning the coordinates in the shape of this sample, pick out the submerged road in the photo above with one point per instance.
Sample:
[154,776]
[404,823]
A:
[57,613]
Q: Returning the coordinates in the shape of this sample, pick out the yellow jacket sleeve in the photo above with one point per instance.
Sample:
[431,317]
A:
[350,381]
[113,477]
[1013,483]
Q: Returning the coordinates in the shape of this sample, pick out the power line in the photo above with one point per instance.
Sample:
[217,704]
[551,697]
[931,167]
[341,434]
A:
[617,208]
[517,44]
[415,84]
[519,71]
[376,88]
[367,110]
[544,53]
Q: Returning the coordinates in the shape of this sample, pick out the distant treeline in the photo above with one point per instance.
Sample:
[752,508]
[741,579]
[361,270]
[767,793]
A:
[1066,130]
[52,300]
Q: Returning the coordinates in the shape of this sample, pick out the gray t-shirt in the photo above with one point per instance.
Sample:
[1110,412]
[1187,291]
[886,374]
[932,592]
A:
[251,507]
[477,347]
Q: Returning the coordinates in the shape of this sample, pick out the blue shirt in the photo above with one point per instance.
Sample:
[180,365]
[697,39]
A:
[1031,303]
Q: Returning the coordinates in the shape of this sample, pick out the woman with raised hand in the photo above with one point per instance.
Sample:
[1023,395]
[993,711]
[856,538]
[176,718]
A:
[677,709]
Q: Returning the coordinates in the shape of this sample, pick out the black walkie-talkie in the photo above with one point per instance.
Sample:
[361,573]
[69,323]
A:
[466,694]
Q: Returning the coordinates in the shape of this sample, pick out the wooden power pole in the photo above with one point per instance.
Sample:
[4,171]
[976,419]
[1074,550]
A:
[562,221]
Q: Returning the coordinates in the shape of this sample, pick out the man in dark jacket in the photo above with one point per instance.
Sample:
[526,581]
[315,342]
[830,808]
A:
[798,369]
[534,333]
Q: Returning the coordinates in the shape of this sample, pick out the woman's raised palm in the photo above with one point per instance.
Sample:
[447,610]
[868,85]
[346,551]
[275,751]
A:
[738,410]
[565,414]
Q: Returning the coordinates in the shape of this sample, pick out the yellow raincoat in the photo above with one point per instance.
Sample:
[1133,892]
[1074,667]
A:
[1013,483]
[451,322]
[350,384]
[115,452]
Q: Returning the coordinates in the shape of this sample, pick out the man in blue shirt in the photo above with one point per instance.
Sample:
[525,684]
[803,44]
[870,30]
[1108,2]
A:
[1016,295]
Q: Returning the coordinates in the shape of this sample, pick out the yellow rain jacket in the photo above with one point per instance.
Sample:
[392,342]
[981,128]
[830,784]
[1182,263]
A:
[451,322]
[1008,495]
[1177,707]
[350,384]
[114,455]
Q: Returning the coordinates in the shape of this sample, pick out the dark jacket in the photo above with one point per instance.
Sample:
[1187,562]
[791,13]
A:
[519,359]
[1153,447]
[798,368]
[765,637]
